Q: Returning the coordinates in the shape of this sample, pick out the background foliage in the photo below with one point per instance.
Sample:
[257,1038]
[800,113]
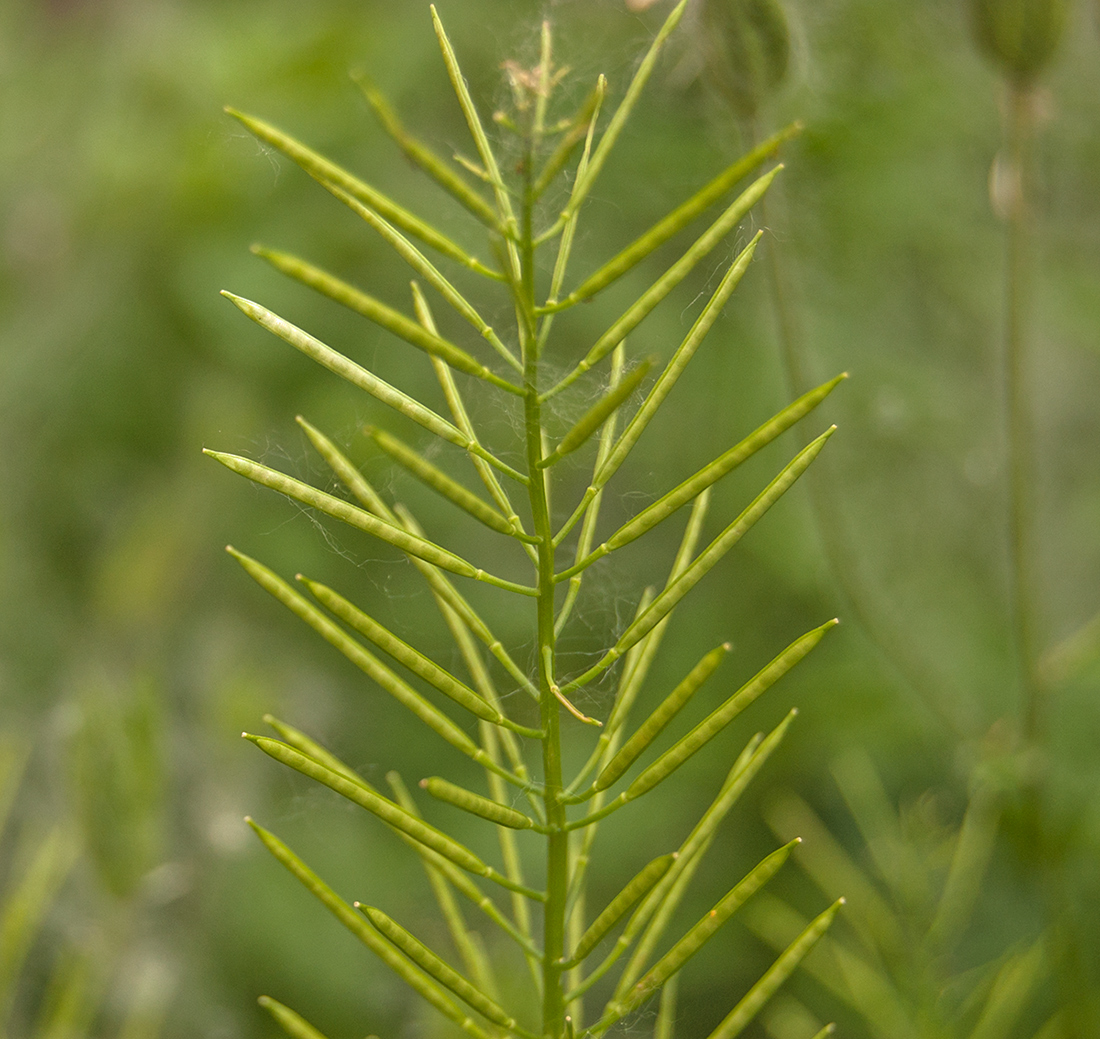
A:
[127,200]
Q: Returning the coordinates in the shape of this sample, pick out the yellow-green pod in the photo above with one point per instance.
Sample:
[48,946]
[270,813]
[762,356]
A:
[639,886]
[775,975]
[296,1026]
[475,804]
[432,964]
[598,414]
[694,940]
[655,724]
[439,481]
[719,718]
[1021,36]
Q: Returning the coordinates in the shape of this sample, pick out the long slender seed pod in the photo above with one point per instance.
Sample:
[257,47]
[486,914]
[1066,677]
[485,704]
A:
[461,882]
[413,976]
[434,965]
[617,907]
[622,113]
[775,975]
[361,489]
[356,517]
[326,172]
[682,215]
[441,483]
[358,376]
[719,718]
[667,601]
[386,810]
[647,302]
[702,932]
[436,168]
[573,135]
[477,131]
[382,315]
[296,1026]
[311,748]
[367,662]
[655,724]
[475,804]
[598,414]
[413,659]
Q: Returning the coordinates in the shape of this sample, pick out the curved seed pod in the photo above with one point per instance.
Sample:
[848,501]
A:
[1021,36]
[718,719]
[441,483]
[638,886]
[383,315]
[655,724]
[388,811]
[413,976]
[296,1026]
[423,156]
[775,975]
[694,940]
[432,964]
[326,172]
[475,804]
[598,414]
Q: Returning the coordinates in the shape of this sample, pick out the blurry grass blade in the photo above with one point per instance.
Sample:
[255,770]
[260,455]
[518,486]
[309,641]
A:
[14,754]
[413,976]
[675,367]
[775,975]
[573,135]
[296,1026]
[473,121]
[419,153]
[622,113]
[385,316]
[617,907]
[719,718]
[1068,658]
[432,964]
[384,809]
[655,724]
[28,900]
[969,863]
[359,518]
[656,236]
[666,1012]
[1012,989]
[725,463]
[328,173]
[702,932]
[441,483]
[364,660]
[475,804]
[598,414]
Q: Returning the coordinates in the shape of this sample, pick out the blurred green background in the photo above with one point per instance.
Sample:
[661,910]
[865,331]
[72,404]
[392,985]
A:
[133,652]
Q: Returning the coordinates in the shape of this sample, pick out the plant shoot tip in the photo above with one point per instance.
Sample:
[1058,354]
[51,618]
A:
[727,646]
[423,784]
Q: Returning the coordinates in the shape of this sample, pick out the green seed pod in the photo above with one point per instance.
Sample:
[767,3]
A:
[746,48]
[468,801]
[1020,36]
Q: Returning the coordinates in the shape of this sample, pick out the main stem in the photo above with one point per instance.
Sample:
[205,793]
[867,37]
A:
[557,852]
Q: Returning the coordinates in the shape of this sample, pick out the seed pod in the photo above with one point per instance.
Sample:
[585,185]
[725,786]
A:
[745,47]
[468,801]
[1020,36]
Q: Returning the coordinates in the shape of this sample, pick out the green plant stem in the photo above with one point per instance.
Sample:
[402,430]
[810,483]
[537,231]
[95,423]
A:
[1017,413]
